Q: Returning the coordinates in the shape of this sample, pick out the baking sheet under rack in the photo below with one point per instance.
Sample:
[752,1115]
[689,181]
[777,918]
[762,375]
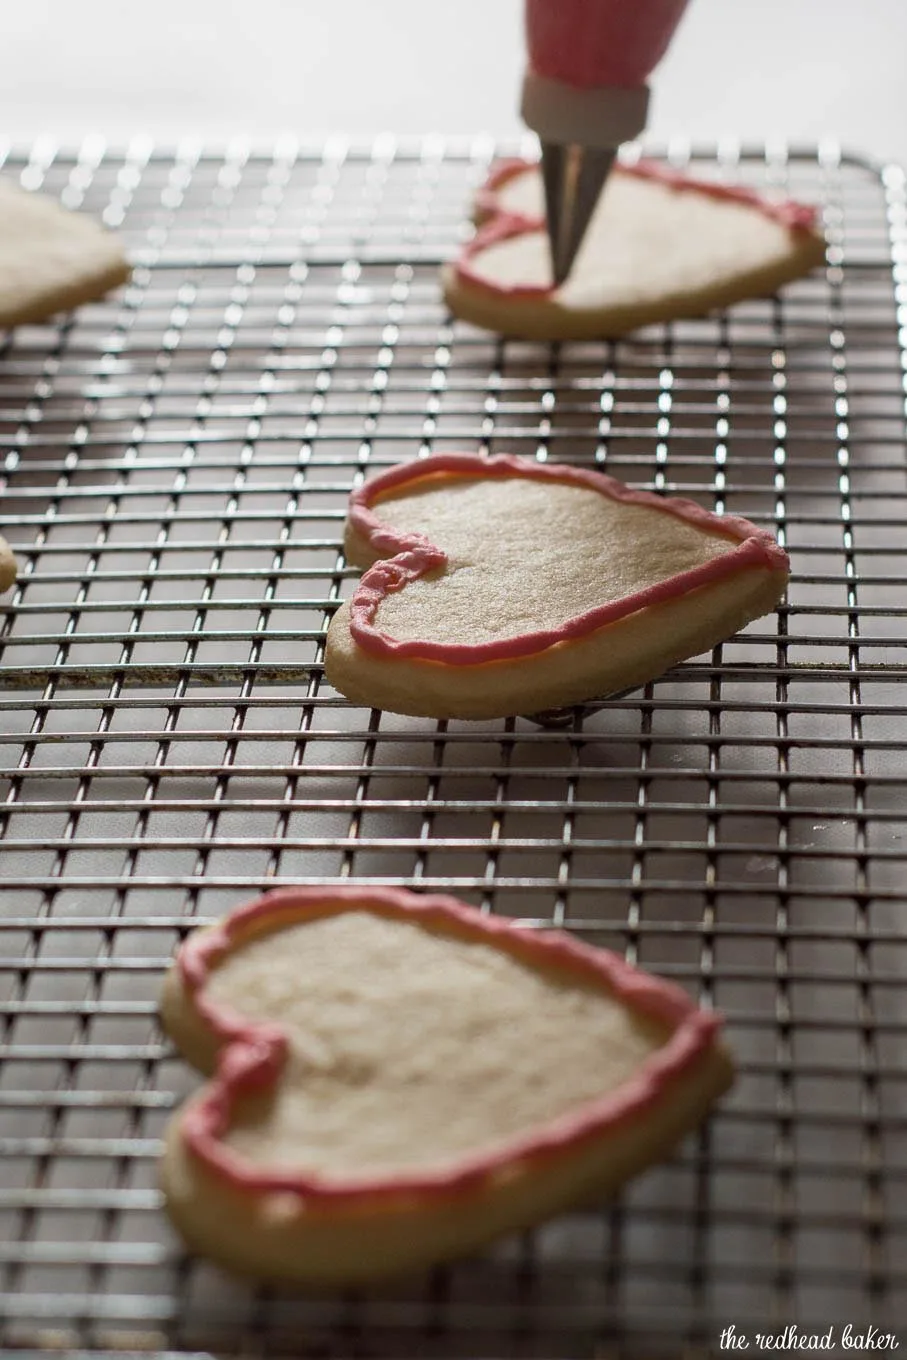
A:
[175,464]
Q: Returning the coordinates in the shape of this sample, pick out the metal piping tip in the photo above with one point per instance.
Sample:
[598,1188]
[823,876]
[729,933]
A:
[574,177]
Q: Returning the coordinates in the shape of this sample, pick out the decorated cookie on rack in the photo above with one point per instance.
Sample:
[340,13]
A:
[499,586]
[660,245]
[396,1079]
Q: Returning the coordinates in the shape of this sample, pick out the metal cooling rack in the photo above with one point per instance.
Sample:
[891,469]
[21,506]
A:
[175,467]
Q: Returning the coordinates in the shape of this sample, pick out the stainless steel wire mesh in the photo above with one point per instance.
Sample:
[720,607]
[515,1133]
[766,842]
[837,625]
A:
[175,465]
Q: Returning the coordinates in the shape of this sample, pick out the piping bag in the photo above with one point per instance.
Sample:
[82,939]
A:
[584,93]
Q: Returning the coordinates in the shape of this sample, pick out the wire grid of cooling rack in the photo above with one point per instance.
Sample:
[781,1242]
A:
[175,468]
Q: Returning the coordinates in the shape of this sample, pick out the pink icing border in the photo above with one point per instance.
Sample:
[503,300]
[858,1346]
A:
[501,224]
[412,556]
[254,1054]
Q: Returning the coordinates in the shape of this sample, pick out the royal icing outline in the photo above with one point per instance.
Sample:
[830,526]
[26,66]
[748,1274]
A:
[498,223]
[407,557]
[253,1054]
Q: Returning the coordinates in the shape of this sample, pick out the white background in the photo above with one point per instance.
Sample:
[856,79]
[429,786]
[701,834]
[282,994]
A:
[799,70]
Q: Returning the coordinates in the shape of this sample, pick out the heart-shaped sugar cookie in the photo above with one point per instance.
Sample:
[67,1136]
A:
[502,586]
[398,1079]
[660,245]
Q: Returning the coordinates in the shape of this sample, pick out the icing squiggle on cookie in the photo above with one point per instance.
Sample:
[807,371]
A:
[499,223]
[253,1054]
[412,556]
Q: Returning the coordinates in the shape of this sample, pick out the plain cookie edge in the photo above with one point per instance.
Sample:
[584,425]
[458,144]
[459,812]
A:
[9,569]
[57,300]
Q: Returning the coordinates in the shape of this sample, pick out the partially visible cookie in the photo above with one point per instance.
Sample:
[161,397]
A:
[51,259]
[661,245]
[499,586]
[7,566]
[397,1079]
